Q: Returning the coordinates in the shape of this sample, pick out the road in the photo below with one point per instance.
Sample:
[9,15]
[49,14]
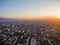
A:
[33,41]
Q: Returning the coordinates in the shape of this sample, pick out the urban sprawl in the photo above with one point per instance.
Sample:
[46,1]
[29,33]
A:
[29,34]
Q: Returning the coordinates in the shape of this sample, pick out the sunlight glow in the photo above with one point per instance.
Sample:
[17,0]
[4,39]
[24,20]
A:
[58,16]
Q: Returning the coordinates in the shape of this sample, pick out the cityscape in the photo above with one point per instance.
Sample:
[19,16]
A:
[38,33]
[29,22]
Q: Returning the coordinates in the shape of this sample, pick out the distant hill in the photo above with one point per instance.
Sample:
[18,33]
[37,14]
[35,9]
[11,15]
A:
[29,21]
[6,19]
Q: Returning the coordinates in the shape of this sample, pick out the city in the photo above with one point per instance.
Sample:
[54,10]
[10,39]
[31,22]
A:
[29,34]
[29,22]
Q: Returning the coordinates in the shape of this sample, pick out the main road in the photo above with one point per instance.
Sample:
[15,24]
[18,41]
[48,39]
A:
[33,41]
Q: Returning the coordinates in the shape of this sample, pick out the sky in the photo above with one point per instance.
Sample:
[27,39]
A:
[29,9]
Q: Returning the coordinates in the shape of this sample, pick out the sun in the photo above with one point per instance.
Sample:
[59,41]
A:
[58,16]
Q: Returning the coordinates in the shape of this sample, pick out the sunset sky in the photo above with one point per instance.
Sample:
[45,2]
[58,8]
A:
[28,9]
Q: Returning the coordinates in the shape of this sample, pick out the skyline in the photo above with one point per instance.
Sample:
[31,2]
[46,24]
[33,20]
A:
[29,9]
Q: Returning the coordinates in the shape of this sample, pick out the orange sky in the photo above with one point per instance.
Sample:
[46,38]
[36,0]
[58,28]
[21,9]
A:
[31,17]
